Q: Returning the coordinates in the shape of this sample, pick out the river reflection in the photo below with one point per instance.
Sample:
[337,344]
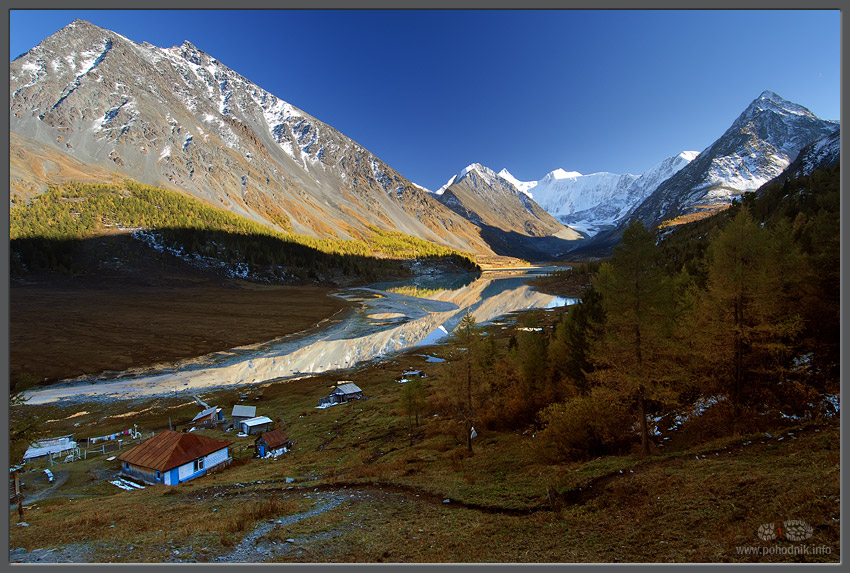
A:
[391,317]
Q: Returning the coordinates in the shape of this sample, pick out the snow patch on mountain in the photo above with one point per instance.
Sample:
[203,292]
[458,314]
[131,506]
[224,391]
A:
[745,173]
[823,152]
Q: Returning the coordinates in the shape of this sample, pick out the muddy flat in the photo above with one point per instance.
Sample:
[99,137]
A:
[70,329]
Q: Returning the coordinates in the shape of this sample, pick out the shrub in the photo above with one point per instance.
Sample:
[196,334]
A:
[255,511]
[585,426]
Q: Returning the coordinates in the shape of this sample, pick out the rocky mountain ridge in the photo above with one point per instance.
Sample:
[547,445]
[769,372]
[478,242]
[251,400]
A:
[186,121]
[511,221]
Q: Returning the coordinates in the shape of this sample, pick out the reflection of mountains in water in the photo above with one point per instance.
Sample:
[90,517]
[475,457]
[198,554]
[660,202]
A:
[358,338]
[429,283]
[426,321]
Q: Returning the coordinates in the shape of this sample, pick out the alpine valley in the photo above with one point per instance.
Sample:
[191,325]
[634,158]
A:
[238,336]
[184,121]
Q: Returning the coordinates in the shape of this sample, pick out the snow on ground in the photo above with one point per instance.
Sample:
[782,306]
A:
[743,173]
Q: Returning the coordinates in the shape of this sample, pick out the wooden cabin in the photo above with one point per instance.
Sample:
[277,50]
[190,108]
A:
[271,444]
[171,458]
[344,392]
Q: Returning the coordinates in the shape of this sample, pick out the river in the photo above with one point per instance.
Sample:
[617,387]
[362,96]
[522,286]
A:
[390,317]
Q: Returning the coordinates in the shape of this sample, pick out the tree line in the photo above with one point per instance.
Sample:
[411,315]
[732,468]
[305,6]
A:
[723,325]
[44,232]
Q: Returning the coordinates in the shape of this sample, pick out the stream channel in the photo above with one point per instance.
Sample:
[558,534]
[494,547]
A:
[388,318]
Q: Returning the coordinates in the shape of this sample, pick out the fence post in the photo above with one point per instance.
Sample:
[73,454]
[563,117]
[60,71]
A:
[19,496]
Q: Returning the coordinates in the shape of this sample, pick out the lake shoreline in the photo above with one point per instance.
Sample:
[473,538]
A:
[374,324]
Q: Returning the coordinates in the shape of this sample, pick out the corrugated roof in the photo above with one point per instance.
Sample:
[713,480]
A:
[205,413]
[256,421]
[349,388]
[244,411]
[170,449]
[275,438]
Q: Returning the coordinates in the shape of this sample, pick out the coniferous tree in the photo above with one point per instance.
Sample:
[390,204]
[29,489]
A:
[744,323]
[633,352]
[465,375]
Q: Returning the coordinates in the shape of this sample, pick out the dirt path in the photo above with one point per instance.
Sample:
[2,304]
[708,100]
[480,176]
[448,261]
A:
[59,478]
[253,548]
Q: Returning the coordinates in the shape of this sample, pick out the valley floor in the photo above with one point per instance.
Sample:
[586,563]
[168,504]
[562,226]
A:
[91,328]
[696,508]
[365,484]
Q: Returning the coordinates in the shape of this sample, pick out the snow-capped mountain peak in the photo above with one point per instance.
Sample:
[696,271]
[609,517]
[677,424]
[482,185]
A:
[757,147]
[485,173]
[590,202]
[585,202]
[522,186]
[770,101]
[561,174]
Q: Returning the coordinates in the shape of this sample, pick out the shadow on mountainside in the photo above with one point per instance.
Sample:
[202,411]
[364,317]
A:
[513,244]
[154,256]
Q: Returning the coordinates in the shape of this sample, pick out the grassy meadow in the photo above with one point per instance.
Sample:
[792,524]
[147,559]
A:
[377,485]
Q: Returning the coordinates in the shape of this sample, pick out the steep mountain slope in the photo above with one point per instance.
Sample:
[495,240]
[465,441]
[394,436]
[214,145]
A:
[824,152]
[179,118]
[757,147]
[511,222]
[592,202]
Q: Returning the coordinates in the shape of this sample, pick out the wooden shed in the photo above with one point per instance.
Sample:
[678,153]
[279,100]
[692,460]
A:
[209,417]
[271,443]
[174,457]
[344,392]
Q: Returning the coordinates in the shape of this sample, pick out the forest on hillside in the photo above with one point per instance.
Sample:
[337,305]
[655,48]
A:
[46,232]
[730,324]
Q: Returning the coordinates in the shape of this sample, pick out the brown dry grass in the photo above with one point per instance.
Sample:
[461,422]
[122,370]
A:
[694,503]
[254,511]
[705,212]
[87,329]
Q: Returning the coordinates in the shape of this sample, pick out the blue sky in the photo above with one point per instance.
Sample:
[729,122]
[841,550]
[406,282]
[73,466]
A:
[432,91]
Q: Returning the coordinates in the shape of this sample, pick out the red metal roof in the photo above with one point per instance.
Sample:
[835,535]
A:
[275,438]
[170,449]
